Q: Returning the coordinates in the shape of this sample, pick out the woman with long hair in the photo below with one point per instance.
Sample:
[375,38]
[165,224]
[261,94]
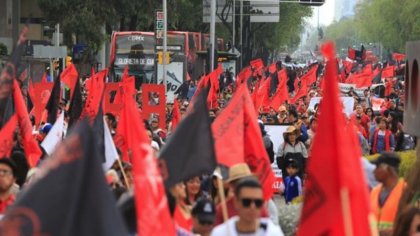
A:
[182,213]
[193,190]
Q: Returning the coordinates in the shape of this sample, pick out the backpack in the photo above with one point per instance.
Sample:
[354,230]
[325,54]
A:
[408,142]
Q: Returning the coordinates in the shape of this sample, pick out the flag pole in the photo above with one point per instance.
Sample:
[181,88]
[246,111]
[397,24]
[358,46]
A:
[123,173]
[345,204]
[222,199]
[222,196]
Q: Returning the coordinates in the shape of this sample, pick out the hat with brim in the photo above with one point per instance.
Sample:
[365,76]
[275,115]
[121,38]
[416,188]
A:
[290,129]
[239,171]
[387,158]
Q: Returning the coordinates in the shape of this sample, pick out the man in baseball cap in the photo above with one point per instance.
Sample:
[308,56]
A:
[203,216]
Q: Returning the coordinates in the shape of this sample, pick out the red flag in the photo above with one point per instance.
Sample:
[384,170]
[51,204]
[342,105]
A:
[388,88]
[310,76]
[6,136]
[93,101]
[398,56]
[272,68]
[214,88]
[257,64]
[362,80]
[243,75]
[152,211]
[351,53]
[281,95]
[176,116]
[31,147]
[263,94]
[348,65]
[340,205]
[388,72]
[44,78]
[69,77]
[301,92]
[238,139]
[254,95]
[39,94]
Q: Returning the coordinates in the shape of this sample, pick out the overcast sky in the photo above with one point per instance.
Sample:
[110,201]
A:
[326,14]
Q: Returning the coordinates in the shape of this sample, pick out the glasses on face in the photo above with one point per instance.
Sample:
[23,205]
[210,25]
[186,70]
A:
[246,202]
[5,172]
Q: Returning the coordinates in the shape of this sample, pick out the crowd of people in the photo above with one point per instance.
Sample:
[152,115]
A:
[196,204]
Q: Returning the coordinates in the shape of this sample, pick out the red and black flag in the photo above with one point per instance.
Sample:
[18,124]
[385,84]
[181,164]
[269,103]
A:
[189,151]
[69,195]
[358,55]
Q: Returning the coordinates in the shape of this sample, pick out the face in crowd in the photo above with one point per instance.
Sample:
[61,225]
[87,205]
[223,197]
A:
[7,178]
[248,203]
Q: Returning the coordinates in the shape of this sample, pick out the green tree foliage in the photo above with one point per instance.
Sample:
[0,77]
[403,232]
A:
[389,22]
[344,33]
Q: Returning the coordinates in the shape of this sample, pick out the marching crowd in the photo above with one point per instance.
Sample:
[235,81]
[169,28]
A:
[196,204]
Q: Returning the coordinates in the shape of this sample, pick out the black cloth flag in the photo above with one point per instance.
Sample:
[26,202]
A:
[189,151]
[76,105]
[54,101]
[69,195]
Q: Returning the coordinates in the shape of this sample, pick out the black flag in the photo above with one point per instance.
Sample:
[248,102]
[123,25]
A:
[69,195]
[189,151]
[76,105]
[54,101]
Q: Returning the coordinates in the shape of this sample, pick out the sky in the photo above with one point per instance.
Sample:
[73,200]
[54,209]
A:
[326,14]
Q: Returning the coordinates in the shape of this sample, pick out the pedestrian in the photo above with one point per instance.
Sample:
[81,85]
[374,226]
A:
[182,213]
[203,217]
[385,197]
[236,173]
[193,190]
[291,149]
[382,139]
[408,223]
[292,183]
[8,172]
[248,203]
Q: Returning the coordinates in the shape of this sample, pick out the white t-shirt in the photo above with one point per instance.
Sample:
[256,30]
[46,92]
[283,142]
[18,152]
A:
[267,228]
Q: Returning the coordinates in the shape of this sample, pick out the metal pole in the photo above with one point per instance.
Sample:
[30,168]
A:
[241,28]
[233,26]
[165,41]
[212,32]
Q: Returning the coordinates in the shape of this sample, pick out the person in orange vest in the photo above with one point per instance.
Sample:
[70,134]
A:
[385,197]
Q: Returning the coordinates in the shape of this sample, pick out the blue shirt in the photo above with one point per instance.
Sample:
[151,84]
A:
[292,188]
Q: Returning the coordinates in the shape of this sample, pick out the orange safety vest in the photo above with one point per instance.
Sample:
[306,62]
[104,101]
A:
[385,216]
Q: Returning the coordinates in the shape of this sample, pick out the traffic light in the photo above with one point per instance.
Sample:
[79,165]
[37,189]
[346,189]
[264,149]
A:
[314,3]
[160,58]
[68,61]
[167,57]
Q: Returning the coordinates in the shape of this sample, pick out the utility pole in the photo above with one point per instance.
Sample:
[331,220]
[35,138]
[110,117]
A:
[233,26]
[165,41]
[212,32]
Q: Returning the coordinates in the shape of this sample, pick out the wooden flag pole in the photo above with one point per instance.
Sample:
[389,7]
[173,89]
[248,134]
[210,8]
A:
[123,173]
[345,204]
[222,199]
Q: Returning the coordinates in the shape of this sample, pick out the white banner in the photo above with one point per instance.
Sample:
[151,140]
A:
[348,104]
[55,135]
[174,78]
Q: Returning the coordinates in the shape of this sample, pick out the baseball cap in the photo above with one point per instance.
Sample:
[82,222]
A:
[204,210]
[46,128]
[388,158]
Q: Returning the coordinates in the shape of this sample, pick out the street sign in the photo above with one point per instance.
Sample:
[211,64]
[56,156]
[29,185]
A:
[41,51]
[158,25]
[169,47]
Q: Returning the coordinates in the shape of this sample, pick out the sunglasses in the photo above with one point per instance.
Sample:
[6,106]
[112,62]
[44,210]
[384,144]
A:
[246,202]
